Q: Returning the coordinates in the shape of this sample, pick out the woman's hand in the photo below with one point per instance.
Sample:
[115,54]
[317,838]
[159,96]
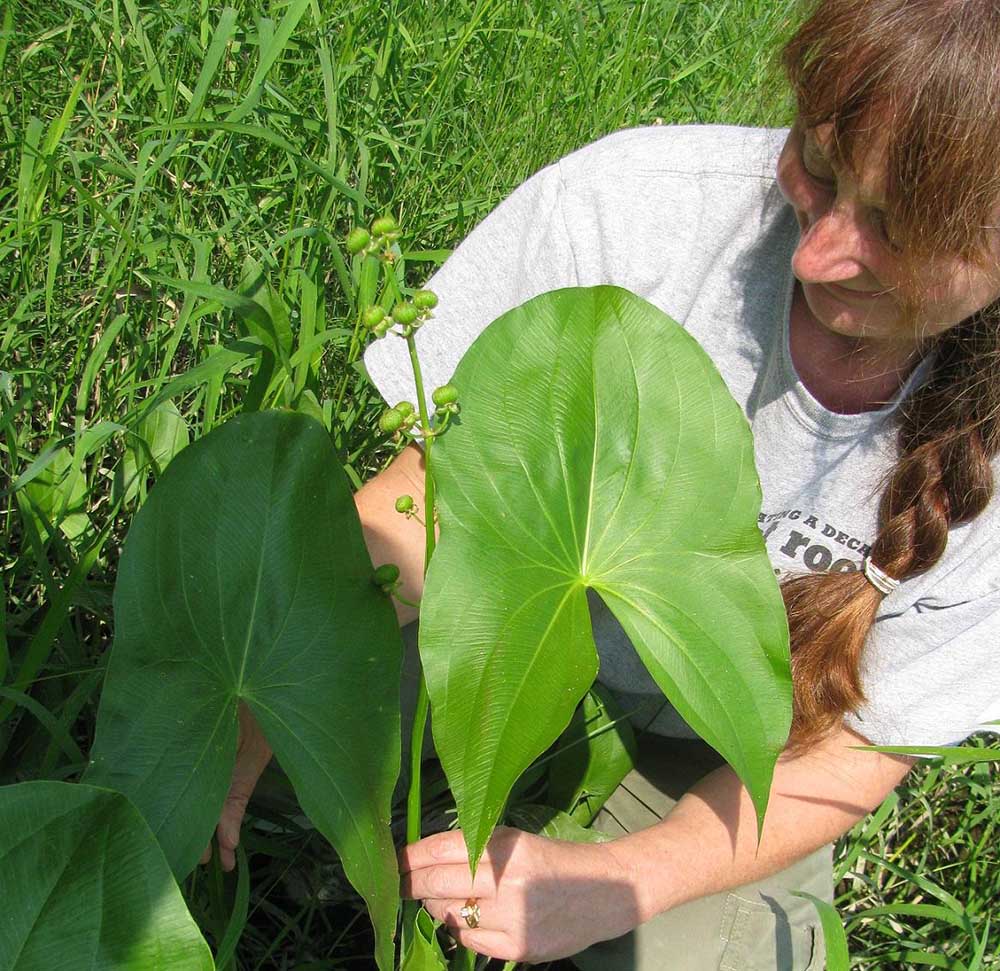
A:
[539,899]
[252,755]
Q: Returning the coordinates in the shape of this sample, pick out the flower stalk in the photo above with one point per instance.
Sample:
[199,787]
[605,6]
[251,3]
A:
[417,424]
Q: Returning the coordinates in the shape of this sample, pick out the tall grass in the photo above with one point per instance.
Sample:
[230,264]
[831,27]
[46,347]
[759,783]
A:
[164,166]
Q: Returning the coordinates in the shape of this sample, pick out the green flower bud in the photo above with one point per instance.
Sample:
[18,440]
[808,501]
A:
[404,313]
[380,330]
[447,394]
[373,316]
[425,300]
[386,575]
[384,225]
[390,421]
[404,504]
[357,241]
[405,409]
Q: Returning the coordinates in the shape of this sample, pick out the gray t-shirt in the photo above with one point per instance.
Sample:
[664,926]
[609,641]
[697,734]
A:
[690,218]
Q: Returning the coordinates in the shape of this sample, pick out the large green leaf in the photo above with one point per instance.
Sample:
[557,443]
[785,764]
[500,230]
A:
[245,577]
[85,886]
[598,447]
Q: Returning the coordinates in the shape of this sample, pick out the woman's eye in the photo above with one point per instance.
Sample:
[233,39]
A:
[880,224]
[818,168]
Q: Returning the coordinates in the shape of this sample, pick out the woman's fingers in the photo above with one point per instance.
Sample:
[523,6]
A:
[446,847]
[449,912]
[496,944]
[449,881]
[227,853]
[252,755]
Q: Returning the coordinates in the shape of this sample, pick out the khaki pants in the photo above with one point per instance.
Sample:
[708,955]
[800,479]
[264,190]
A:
[757,927]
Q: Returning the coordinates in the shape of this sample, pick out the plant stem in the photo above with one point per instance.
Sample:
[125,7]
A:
[416,753]
[420,712]
[425,424]
[463,960]
[423,704]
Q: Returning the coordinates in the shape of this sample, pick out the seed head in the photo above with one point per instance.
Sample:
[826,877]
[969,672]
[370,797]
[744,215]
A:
[386,575]
[404,313]
[390,421]
[425,300]
[384,225]
[357,240]
[447,394]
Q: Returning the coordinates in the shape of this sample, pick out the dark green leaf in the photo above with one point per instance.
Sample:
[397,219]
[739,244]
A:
[238,917]
[245,577]
[85,887]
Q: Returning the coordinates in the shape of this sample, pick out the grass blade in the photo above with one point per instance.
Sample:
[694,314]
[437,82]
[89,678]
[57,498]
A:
[238,917]
[268,55]
[834,938]
[221,37]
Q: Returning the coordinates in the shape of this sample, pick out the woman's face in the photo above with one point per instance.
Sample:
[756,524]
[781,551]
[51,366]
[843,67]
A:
[850,267]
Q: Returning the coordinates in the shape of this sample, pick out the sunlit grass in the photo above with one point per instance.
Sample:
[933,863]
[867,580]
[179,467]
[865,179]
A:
[158,158]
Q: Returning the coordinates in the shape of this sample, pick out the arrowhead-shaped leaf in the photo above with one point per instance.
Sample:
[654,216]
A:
[598,447]
[245,577]
[85,886]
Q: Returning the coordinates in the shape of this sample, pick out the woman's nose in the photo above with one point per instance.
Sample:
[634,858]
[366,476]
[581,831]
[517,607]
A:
[830,246]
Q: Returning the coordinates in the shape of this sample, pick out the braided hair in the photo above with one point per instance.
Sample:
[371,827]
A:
[928,73]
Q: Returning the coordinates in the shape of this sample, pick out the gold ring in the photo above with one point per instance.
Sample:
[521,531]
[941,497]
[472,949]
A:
[470,912]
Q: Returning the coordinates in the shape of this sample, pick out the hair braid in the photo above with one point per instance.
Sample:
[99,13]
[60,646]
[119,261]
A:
[943,477]
[925,73]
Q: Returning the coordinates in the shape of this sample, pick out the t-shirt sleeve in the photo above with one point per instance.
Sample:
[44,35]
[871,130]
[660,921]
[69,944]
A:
[521,249]
[930,672]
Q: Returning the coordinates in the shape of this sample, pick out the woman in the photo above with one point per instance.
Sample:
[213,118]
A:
[852,305]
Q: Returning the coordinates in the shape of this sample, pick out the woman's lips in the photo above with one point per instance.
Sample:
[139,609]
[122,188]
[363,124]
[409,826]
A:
[856,296]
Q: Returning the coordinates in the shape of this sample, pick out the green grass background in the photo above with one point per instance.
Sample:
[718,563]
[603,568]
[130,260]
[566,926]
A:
[157,156]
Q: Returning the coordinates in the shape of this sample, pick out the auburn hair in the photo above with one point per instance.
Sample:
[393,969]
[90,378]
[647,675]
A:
[919,80]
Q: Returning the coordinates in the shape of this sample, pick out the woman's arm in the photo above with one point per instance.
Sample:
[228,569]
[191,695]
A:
[543,899]
[709,842]
[390,538]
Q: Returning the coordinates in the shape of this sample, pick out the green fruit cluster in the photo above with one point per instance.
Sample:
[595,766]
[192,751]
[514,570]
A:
[445,400]
[377,239]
